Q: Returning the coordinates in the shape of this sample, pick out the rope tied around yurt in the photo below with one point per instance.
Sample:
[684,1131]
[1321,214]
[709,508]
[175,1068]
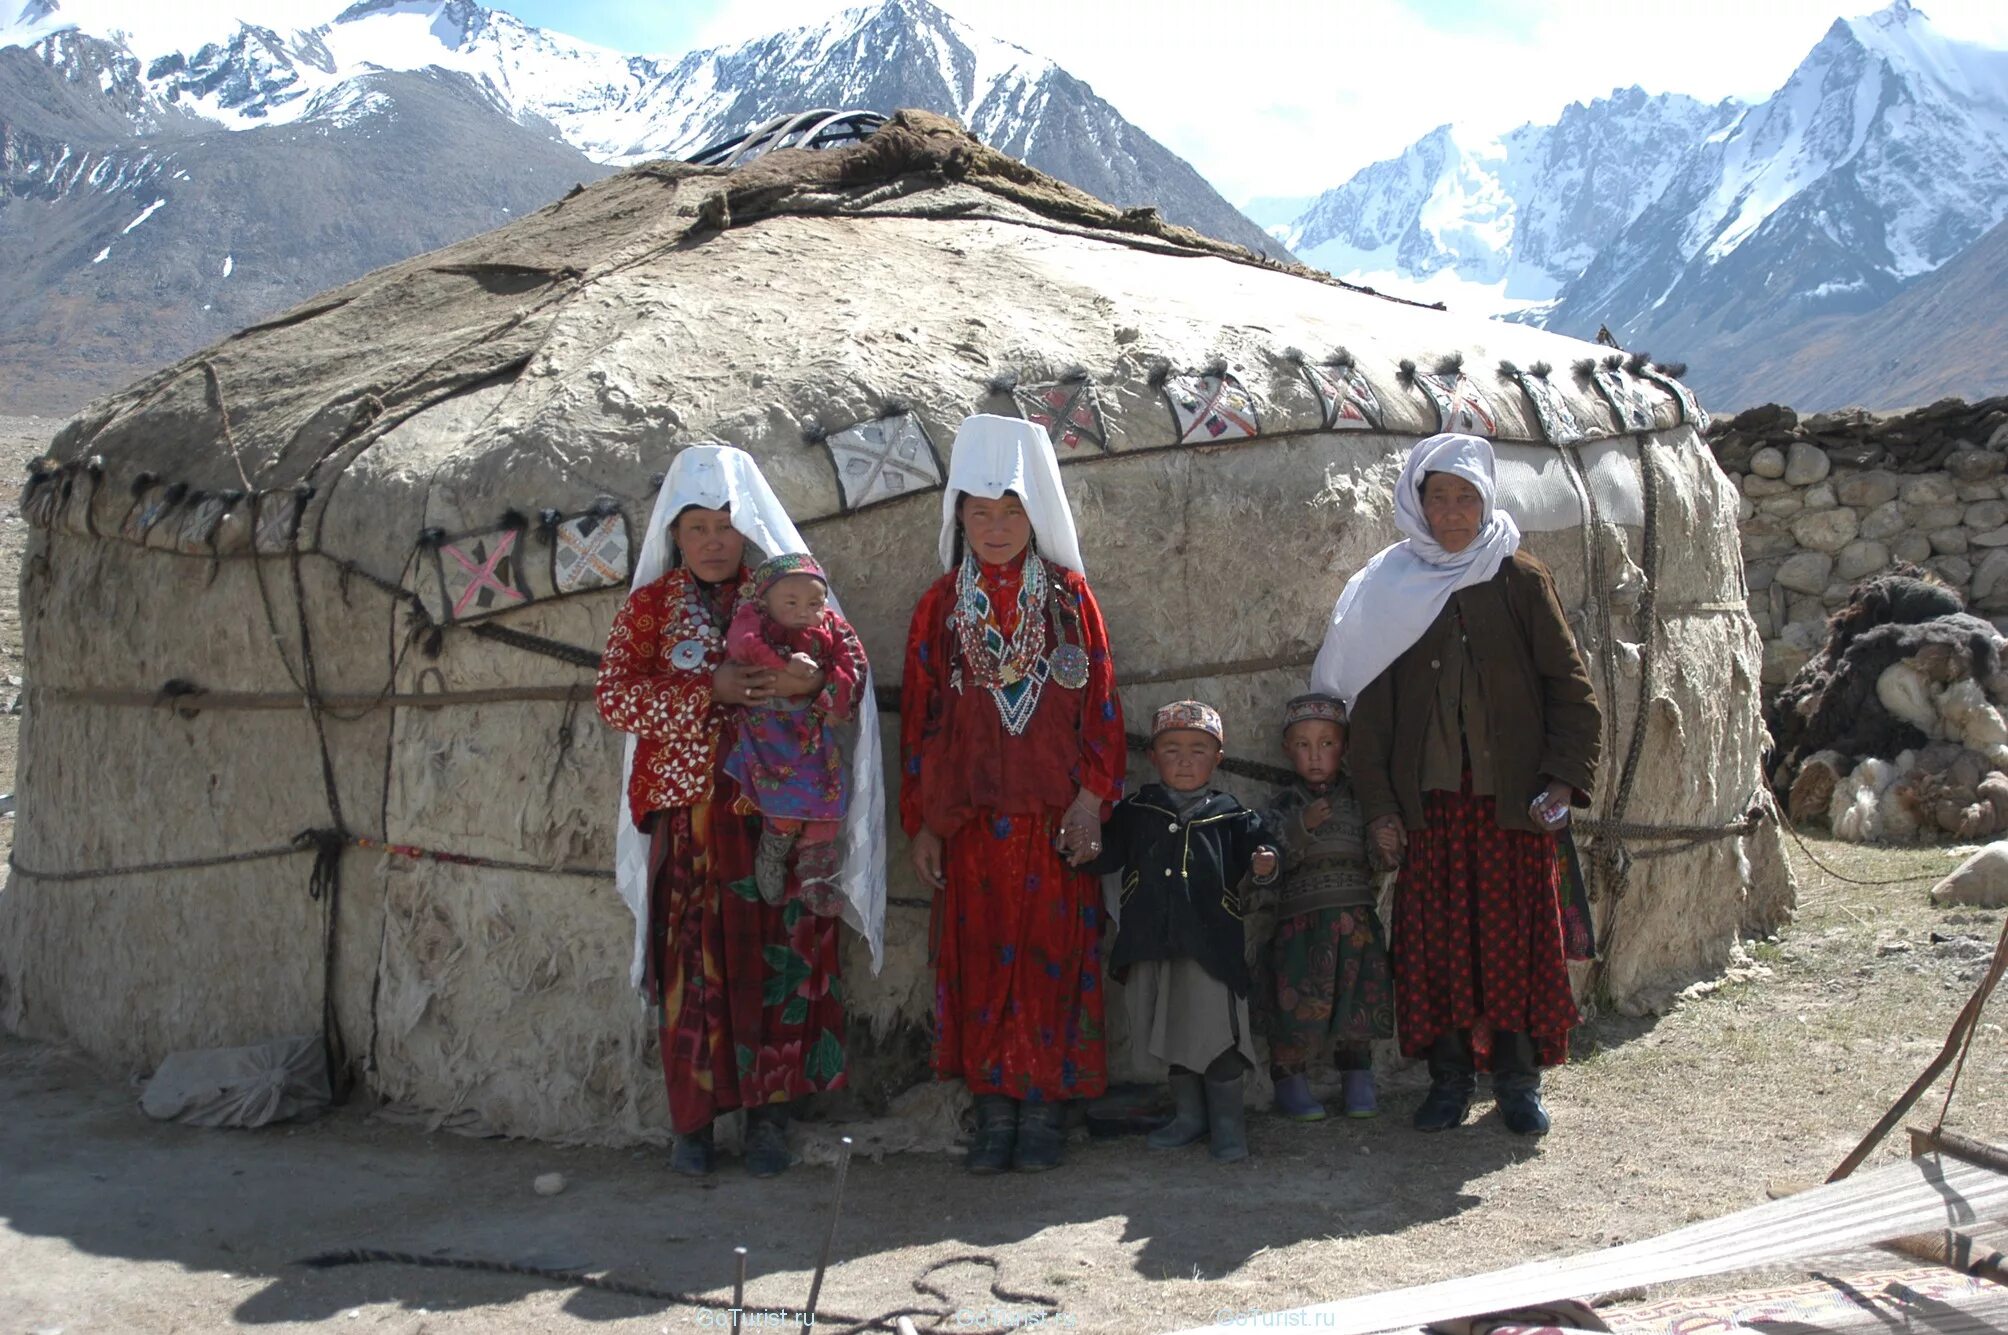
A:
[947,1317]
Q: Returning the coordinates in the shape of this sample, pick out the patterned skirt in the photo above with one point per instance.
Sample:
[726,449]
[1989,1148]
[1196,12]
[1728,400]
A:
[1017,964]
[788,762]
[1332,984]
[752,1004]
[1478,933]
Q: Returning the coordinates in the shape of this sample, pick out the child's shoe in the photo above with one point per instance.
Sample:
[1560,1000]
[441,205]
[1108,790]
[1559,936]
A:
[1227,1119]
[770,864]
[816,868]
[1188,1095]
[1294,1100]
[1360,1098]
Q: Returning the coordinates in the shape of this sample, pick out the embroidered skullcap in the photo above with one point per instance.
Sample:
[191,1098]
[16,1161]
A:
[777,568]
[1190,715]
[1312,707]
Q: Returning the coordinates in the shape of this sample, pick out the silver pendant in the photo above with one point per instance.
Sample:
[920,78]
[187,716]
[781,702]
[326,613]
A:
[688,655]
[1070,666]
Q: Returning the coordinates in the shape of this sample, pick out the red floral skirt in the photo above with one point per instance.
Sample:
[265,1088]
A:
[1478,933]
[1017,965]
[752,1003]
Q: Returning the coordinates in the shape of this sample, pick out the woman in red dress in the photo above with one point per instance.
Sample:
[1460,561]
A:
[1013,752]
[751,1012]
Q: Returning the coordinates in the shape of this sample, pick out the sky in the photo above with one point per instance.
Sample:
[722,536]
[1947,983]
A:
[1266,97]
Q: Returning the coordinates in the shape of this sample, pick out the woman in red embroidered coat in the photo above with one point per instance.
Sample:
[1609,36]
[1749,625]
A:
[1013,752]
[752,1015]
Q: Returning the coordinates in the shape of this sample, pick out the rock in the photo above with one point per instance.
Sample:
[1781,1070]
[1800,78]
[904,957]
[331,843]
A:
[1928,489]
[1819,496]
[1757,575]
[1954,570]
[1945,540]
[1859,558]
[1805,573]
[1806,632]
[1885,949]
[1779,604]
[1786,503]
[1999,440]
[1994,537]
[1825,530]
[1782,662]
[1745,507]
[1884,521]
[1835,594]
[1757,487]
[1929,517]
[1985,515]
[1974,465]
[1912,547]
[1765,417]
[1768,462]
[1990,575]
[548,1184]
[1760,617]
[1978,491]
[1806,464]
[1763,546]
[1981,880]
[1866,489]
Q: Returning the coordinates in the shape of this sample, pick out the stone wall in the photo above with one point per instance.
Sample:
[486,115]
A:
[1831,499]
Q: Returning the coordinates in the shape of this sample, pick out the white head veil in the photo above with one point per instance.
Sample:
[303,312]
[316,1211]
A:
[719,477]
[1397,595]
[993,455]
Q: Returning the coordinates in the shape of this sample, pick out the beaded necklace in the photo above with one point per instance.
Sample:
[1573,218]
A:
[1015,670]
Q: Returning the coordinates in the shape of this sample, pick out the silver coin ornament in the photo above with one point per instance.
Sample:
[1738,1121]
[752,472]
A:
[1070,666]
[688,655]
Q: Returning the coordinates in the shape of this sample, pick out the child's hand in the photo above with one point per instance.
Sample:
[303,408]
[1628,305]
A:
[804,662]
[1317,813]
[1388,839]
[1263,864]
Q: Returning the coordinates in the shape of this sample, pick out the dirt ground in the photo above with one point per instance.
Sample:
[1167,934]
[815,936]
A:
[109,1222]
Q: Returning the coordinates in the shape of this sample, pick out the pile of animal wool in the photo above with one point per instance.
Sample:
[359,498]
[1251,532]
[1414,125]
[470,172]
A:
[1894,731]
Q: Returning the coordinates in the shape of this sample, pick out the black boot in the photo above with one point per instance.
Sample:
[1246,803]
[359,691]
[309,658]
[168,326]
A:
[1226,1109]
[996,1134]
[1188,1123]
[691,1155]
[1041,1138]
[767,1140]
[1516,1083]
[1451,1080]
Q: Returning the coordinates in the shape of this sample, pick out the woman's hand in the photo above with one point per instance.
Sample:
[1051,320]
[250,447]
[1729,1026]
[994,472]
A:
[1387,838]
[1263,864]
[1557,798]
[739,684]
[1081,829]
[798,677]
[926,852]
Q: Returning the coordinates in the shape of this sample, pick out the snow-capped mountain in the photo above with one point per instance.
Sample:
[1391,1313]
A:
[1882,157]
[165,180]
[1698,232]
[1500,225]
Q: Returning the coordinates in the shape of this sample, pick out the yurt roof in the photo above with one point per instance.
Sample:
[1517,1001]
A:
[562,357]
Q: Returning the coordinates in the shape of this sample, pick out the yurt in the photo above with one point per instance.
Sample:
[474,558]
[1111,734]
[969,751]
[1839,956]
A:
[312,617]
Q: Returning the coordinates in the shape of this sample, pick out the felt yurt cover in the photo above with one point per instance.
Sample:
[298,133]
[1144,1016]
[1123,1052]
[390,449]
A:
[311,618]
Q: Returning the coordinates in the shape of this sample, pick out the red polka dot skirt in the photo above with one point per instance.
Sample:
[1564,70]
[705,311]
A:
[1478,933]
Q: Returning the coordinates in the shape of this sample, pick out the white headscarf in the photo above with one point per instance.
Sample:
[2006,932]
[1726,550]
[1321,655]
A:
[719,477]
[1395,597]
[993,455]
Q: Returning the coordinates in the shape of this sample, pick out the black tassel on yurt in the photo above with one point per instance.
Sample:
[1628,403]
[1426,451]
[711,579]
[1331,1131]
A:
[1405,372]
[1160,371]
[1216,367]
[813,433]
[1004,381]
[548,520]
[1540,370]
[1342,358]
[1585,368]
[1451,366]
[894,408]
[1074,375]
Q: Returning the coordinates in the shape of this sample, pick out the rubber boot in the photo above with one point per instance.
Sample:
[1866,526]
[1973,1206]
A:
[1451,1081]
[1294,1100]
[1226,1109]
[996,1134]
[767,1140]
[770,863]
[1360,1098]
[1188,1122]
[692,1153]
[1041,1140]
[1516,1084]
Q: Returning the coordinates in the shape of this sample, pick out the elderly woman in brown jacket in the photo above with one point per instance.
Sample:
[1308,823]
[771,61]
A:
[1474,732]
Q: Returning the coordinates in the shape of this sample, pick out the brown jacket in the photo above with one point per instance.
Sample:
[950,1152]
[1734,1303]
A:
[1542,715]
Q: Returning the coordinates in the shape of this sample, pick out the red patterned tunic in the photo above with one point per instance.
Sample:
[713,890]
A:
[751,1001]
[1018,996]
